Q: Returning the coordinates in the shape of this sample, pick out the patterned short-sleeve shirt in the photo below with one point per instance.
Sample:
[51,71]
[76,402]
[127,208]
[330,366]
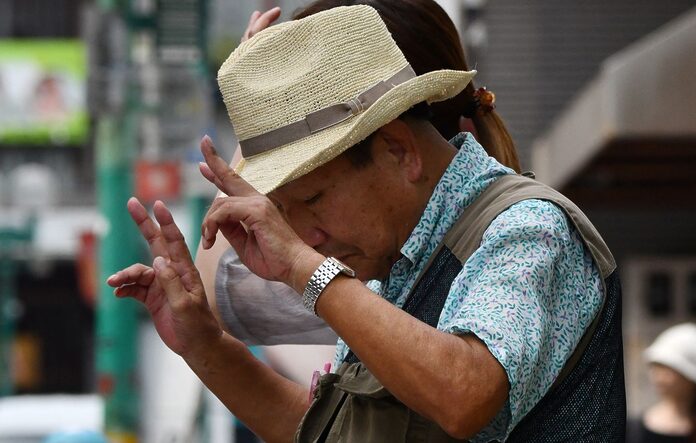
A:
[528,292]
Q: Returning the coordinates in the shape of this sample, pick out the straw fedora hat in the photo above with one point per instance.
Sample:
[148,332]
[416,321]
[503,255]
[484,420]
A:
[302,92]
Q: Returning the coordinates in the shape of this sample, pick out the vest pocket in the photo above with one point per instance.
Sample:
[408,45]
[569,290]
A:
[320,417]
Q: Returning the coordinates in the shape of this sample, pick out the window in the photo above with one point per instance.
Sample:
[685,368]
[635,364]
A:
[659,294]
[691,293]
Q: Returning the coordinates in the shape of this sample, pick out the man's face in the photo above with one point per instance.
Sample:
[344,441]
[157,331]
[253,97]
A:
[356,214]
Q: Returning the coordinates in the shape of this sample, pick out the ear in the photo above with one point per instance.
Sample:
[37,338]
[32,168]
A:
[397,144]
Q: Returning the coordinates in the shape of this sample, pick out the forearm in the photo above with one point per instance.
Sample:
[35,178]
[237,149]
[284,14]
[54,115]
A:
[452,380]
[269,404]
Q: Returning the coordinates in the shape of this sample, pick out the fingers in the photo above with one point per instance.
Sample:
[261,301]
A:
[265,20]
[234,232]
[177,249]
[254,16]
[258,22]
[149,230]
[134,274]
[169,280]
[222,175]
[222,211]
[209,175]
[247,33]
[137,292]
[229,213]
[173,239]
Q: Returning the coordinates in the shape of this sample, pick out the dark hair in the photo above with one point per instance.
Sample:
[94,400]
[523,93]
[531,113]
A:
[429,40]
[360,154]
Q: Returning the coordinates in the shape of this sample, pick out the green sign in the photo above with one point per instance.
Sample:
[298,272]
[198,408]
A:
[43,92]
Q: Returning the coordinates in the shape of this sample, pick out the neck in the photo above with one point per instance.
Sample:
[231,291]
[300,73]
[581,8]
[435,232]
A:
[437,154]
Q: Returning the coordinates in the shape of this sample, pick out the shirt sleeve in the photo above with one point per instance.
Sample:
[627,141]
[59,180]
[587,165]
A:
[528,292]
[262,312]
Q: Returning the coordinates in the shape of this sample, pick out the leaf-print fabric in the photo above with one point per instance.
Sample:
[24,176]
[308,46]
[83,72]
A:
[528,292]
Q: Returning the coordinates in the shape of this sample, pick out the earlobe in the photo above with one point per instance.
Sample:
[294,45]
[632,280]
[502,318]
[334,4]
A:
[413,165]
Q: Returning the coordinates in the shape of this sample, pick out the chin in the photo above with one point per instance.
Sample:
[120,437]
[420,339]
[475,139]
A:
[370,274]
[365,268]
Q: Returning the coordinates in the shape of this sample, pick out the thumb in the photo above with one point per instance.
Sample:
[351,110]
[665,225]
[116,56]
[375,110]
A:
[168,279]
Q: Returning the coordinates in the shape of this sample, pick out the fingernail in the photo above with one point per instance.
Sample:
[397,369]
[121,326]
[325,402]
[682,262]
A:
[111,277]
[206,233]
[210,143]
[159,263]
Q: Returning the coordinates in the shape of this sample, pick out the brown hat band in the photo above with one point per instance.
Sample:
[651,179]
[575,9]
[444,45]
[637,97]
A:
[323,118]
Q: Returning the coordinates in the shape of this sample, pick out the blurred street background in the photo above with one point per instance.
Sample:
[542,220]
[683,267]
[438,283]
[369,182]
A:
[104,99]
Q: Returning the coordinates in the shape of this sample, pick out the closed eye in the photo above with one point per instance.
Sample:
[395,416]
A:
[277,204]
[313,199]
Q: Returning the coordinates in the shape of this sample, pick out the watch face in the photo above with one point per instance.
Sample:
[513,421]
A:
[345,269]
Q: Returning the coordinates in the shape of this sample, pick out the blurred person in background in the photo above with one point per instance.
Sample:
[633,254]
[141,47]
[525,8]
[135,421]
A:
[672,360]
[270,313]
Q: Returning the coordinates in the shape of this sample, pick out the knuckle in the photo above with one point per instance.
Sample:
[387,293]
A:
[229,174]
[218,201]
[264,206]
[151,240]
[168,273]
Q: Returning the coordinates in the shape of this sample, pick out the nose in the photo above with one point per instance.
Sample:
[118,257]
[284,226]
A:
[307,228]
[313,236]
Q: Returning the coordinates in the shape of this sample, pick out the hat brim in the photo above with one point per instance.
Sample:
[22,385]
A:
[274,168]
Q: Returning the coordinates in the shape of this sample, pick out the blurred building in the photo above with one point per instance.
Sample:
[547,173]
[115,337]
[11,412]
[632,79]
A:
[624,149]
[538,54]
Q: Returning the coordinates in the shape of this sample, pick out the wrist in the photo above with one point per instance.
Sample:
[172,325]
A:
[205,358]
[306,262]
[330,269]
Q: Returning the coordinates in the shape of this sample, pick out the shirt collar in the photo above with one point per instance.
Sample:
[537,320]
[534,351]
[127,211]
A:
[467,175]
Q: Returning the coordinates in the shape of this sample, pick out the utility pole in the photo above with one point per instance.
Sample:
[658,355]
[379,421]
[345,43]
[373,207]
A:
[152,104]
[117,320]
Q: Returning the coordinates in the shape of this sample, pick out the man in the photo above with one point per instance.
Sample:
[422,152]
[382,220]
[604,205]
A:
[487,282]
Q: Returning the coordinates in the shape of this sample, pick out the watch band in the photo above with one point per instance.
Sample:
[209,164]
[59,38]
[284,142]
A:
[326,272]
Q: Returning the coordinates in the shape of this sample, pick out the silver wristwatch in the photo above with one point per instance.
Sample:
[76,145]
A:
[326,272]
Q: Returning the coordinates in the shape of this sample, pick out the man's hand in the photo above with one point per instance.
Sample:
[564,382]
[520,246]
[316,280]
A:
[254,227]
[171,289]
[172,292]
